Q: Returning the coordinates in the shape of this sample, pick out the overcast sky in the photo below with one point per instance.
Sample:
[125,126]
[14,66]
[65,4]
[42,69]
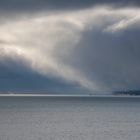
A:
[68,45]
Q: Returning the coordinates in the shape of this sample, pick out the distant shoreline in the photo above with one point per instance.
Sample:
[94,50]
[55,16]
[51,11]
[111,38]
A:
[62,95]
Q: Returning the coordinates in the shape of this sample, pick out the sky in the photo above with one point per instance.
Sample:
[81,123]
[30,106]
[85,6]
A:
[77,45]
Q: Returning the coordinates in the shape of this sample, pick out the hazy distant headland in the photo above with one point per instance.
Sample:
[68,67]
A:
[72,93]
[128,92]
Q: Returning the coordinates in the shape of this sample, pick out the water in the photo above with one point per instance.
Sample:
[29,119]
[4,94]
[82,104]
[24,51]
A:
[69,118]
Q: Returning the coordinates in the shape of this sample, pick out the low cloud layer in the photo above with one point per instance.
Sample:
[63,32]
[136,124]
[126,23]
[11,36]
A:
[97,48]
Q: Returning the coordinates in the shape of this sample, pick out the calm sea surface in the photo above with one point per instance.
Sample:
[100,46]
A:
[69,118]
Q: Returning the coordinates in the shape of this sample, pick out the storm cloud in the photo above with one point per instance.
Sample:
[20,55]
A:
[95,46]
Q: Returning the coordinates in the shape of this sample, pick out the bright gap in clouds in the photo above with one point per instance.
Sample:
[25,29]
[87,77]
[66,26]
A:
[51,43]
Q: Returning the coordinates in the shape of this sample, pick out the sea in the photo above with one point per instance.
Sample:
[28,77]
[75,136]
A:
[69,118]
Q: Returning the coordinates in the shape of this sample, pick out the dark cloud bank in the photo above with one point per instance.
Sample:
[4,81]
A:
[29,5]
[16,78]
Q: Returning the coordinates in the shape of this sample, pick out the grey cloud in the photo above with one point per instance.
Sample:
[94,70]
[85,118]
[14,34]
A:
[35,5]
[81,46]
[16,77]
[112,61]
